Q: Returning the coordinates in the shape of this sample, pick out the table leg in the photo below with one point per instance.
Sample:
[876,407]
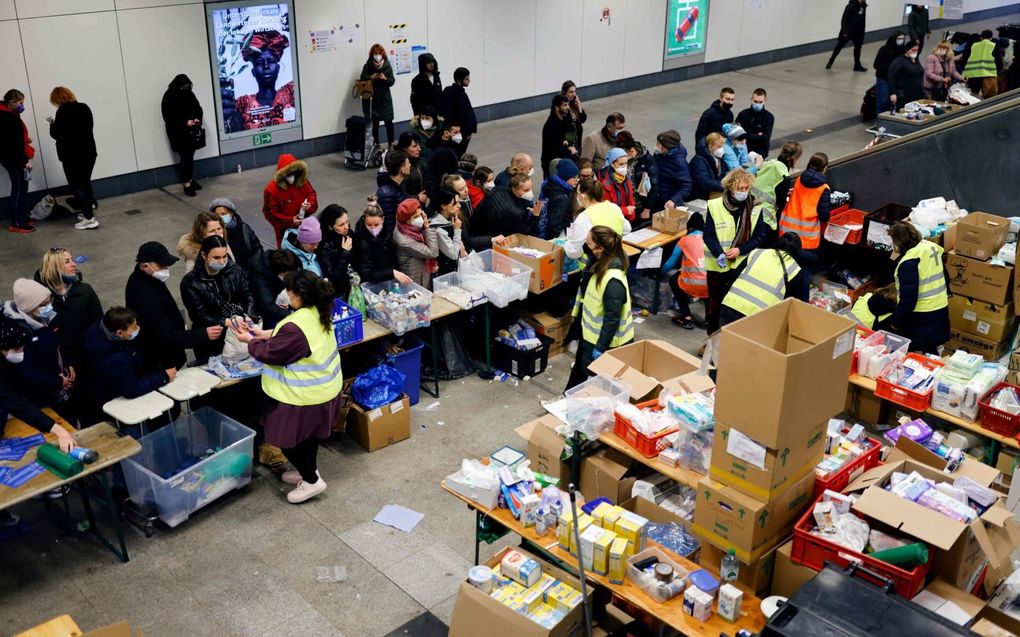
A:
[111,509]
[478,531]
[432,388]
[992,452]
[575,459]
[488,338]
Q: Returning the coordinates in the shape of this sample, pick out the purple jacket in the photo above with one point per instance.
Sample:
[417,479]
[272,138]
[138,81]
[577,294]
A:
[936,68]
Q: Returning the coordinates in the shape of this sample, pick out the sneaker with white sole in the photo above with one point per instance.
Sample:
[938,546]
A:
[304,491]
[87,224]
[293,476]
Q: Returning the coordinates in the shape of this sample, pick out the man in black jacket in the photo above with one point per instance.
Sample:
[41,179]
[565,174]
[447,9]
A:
[758,122]
[163,337]
[392,189]
[426,87]
[892,49]
[719,113]
[267,288]
[455,105]
[851,29]
[507,211]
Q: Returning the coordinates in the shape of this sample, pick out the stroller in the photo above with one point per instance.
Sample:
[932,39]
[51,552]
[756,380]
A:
[360,150]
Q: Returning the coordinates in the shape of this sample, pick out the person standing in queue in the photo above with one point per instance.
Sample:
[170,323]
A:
[377,69]
[733,229]
[182,115]
[922,308]
[302,377]
[606,320]
[766,278]
[16,153]
[808,208]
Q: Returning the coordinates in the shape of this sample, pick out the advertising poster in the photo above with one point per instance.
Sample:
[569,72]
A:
[686,26]
[255,63]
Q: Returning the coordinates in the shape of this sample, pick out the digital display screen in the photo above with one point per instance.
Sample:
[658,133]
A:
[686,27]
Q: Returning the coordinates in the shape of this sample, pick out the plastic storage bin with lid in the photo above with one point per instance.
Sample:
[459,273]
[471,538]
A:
[399,308]
[878,350]
[501,279]
[452,288]
[189,463]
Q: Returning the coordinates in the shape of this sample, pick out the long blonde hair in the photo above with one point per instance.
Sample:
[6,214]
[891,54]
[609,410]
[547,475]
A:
[52,269]
[948,46]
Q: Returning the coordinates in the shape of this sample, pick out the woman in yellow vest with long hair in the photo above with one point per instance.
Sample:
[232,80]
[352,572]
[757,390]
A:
[605,317]
[922,309]
[302,379]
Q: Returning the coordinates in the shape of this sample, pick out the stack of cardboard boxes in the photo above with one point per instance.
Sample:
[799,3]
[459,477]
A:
[782,374]
[551,327]
[981,311]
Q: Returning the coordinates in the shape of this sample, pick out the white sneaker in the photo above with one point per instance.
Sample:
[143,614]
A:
[304,491]
[293,476]
[81,216]
[87,224]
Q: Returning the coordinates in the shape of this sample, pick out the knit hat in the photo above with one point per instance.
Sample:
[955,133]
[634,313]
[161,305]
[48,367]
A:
[224,202]
[13,334]
[669,139]
[29,295]
[309,231]
[407,209]
[734,131]
[614,154]
[566,169]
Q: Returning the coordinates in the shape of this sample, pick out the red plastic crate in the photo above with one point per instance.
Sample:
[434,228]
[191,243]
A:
[841,479]
[992,419]
[902,396]
[648,447]
[849,216]
[813,551]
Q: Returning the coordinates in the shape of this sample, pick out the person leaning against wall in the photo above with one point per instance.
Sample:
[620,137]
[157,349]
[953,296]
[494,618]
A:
[182,115]
[71,128]
[16,153]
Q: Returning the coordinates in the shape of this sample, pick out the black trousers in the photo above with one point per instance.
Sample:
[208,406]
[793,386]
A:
[841,42]
[187,164]
[683,306]
[18,200]
[728,315]
[79,178]
[389,131]
[719,283]
[303,457]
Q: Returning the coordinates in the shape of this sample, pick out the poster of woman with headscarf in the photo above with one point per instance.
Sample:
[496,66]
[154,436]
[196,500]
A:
[252,45]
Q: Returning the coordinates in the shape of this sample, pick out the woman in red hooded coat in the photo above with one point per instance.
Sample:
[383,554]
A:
[289,197]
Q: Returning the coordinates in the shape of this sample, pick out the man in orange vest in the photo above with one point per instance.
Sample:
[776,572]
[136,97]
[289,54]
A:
[808,207]
[692,279]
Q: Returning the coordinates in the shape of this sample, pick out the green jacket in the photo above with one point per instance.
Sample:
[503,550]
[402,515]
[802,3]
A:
[382,101]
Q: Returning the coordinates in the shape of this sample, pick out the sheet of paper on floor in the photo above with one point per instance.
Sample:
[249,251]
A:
[399,517]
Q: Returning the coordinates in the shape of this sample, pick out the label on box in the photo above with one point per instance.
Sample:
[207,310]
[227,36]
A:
[983,328]
[397,406]
[844,344]
[740,446]
[375,414]
[970,315]
[836,234]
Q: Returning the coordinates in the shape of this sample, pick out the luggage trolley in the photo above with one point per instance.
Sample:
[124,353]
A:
[360,150]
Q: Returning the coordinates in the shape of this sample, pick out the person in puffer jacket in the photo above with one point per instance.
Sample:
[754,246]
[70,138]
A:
[289,197]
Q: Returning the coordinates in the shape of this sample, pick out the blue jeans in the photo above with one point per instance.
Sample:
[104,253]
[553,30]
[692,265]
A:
[18,201]
[882,103]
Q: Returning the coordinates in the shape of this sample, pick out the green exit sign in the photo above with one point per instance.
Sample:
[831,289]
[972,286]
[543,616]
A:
[261,139]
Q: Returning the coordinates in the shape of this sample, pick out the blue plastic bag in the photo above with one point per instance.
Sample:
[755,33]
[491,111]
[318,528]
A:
[379,386]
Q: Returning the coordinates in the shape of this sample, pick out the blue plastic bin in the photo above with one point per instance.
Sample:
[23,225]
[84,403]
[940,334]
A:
[408,363]
[350,330]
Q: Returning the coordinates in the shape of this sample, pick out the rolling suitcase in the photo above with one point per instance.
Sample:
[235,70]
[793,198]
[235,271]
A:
[358,143]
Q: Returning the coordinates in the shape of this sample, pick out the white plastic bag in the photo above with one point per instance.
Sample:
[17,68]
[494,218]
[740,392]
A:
[43,209]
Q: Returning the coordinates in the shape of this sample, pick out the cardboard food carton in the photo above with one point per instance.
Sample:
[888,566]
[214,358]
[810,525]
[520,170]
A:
[548,325]
[988,349]
[609,474]
[647,366]
[760,472]
[979,318]
[979,235]
[545,447]
[789,576]
[546,271]
[670,221]
[375,429]
[979,280]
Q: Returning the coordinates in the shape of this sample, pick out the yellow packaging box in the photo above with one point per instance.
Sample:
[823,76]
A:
[534,596]
[632,528]
[600,512]
[546,616]
[610,517]
[618,554]
[583,522]
[564,599]
[565,530]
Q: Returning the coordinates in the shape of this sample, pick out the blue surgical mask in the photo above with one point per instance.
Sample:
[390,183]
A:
[20,108]
[227,219]
[46,312]
[134,334]
[216,266]
[69,278]
[758,107]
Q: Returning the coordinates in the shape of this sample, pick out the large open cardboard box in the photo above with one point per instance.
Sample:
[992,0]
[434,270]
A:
[979,280]
[979,235]
[646,366]
[610,474]
[547,270]
[545,447]
[779,468]
[375,429]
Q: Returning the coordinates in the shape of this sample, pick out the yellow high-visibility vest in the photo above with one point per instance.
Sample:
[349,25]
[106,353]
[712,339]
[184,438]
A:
[593,312]
[931,291]
[312,380]
[726,233]
[762,284]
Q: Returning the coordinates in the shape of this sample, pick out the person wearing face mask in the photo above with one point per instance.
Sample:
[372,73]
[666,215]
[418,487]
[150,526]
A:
[482,181]
[244,243]
[206,224]
[672,184]
[520,164]
[851,29]
[618,188]
[448,226]
[75,302]
[758,122]
[374,252]
[414,183]
[424,125]
[511,210]
[922,308]
[640,172]
[733,229]
[940,72]
[426,87]
[720,112]
[706,167]
[906,77]
[215,292]
[334,251]
[289,197]
[808,208]
[182,115]
[267,289]
[164,337]
[595,211]
[892,49]
[455,106]
[16,153]
[557,133]
[417,247]
[735,153]
[116,367]
[772,183]
[303,242]
[596,146]
[377,68]
[558,191]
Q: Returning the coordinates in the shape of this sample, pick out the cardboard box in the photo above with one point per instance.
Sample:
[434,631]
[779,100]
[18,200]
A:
[865,406]
[378,428]
[950,602]
[979,280]
[760,472]
[545,447]
[781,368]
[979,235]
[992,623]
[474,610]
[609,474]
[670,221]
[549,326]
[756,576]
[546,271]
[731,520]
[122,629]
[982,319]
[647,366]
[990,350]
[1014,368]
[788,576]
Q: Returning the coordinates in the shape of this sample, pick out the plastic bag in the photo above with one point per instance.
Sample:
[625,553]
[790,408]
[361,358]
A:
[234,351]
[379,386]
[43,209]
[356,299]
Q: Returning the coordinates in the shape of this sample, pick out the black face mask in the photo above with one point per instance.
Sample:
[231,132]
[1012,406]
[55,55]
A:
[725,106]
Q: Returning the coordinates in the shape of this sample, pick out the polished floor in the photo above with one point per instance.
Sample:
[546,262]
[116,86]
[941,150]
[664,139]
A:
[247,565]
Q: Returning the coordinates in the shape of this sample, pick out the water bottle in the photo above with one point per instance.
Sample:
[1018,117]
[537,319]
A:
[730,568]
[81,454]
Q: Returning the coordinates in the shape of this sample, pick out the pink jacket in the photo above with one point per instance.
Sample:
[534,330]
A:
[934,70]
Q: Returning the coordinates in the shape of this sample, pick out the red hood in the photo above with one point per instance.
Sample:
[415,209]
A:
[285,160]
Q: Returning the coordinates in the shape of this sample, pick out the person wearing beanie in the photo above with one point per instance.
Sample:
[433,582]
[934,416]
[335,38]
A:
[32,305]
[303,241]
[735,154]
[215,293]
[640,172]
[244,243]
[617,185]
[416,244]
[672,183]
[758,122]
[558,192]
[557,133]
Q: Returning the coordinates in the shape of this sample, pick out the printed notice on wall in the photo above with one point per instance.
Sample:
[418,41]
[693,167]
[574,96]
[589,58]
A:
[323,41]
[951,9]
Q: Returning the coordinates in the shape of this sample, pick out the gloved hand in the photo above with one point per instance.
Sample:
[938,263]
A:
[596,353]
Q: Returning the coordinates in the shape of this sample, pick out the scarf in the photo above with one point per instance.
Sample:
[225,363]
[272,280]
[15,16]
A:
[406,229]
[742,215]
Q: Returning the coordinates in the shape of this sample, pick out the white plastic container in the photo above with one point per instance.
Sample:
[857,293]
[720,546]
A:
[878,351]
[596,400]
[444,282]
[398,318]
[501,279]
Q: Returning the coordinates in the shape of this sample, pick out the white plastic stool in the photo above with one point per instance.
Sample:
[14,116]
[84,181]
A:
[133,411]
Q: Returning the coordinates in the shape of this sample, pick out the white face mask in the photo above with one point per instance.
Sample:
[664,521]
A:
[740,195]
[377,58]
[530,195]
[912,56]
[418,222]
[15,357]
[489,185]
[426,124]
[375,231]
[621,170]
[458,138]
[290,179]
[531,172]
[719,152]
[162,275]
[282,299]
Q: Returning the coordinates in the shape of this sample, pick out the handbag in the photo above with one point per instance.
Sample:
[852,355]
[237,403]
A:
[363,89]
[197,136]
[234,351]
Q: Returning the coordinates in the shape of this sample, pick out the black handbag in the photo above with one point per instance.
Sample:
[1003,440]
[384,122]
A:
[197,136]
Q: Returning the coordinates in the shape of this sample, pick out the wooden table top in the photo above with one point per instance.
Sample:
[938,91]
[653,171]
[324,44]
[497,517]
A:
[659,240]
[670,613]
[679,474]
[62,626]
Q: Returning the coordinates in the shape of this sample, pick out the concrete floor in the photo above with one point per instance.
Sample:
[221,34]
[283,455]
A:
[247,564]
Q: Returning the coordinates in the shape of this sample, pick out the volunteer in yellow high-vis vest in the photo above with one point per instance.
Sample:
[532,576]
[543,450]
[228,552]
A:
[922,311]
[605,316]
[981,72]
[302,378]
[872,310]
[768,276]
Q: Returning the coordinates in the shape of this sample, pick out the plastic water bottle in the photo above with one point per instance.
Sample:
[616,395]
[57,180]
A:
[729,571]
[81,454]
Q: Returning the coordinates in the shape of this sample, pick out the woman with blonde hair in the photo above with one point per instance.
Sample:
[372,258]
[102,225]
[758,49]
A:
[940,71]
[75,302]
[206,224]
[71,128]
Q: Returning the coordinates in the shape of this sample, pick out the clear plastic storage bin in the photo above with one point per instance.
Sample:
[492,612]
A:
[398,308]
[593,404]
[501,279]
[454,289]
[189,463]
[878,351]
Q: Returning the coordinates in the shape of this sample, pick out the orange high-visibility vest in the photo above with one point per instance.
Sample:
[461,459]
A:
[692,278]
[801,215]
